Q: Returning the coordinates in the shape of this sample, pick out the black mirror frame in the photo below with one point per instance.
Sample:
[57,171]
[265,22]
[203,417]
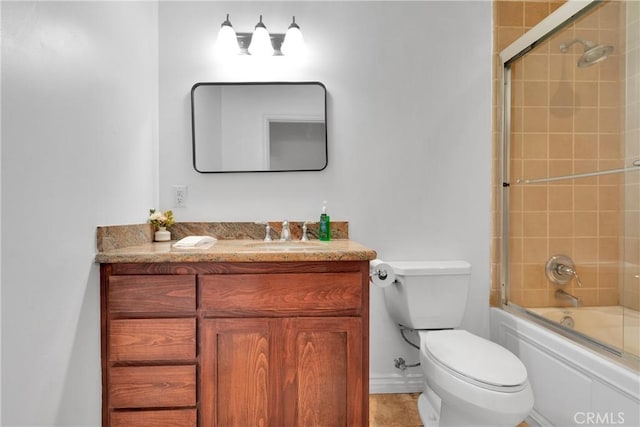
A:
[193,135]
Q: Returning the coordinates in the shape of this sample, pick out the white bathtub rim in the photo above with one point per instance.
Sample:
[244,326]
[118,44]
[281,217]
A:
[589,361]
[616,357]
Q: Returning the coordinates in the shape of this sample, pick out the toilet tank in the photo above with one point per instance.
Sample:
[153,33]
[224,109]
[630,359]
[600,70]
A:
[428,294]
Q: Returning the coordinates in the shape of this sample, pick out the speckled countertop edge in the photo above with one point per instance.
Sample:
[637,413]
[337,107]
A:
[237,242]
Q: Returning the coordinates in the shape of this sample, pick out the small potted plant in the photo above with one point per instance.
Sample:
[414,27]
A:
[161,220]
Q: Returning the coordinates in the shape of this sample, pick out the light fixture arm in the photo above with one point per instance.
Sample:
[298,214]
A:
[226,22]
[260,24]
[293,24]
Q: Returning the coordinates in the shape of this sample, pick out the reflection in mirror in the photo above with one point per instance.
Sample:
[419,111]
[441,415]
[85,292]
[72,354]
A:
[259,127]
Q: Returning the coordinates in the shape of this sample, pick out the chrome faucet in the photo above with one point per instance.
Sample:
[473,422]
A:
[562,294]
[267,230]
[304,237]
[267,235]
[286,232]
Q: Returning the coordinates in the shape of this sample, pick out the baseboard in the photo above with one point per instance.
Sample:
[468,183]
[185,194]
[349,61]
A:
[395,383]
[535,419]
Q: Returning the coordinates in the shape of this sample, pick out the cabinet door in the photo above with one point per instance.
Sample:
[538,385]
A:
[322,375]
[281,372]
[236,371]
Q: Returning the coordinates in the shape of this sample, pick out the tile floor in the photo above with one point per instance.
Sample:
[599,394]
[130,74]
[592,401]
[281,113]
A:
[394,410]
[397,410]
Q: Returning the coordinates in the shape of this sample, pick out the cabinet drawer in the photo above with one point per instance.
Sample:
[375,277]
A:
[152,339]
[152,386]
[168,418]
[301,294]
[152,294]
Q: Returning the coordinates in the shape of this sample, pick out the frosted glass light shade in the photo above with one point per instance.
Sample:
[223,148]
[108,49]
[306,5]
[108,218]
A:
[293,44]
[227,43]
[260,42]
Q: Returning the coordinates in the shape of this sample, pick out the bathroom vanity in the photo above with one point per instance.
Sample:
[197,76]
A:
[241,334]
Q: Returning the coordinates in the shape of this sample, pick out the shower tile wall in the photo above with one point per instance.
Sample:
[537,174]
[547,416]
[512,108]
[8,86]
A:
[511,20]
[565,120]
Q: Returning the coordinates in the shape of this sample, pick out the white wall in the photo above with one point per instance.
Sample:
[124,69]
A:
[409,130]
[95,131]
[79,149]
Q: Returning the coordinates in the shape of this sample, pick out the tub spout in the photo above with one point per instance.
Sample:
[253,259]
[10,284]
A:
[562,294]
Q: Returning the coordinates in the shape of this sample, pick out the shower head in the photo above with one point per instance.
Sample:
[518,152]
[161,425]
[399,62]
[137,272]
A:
[592,54]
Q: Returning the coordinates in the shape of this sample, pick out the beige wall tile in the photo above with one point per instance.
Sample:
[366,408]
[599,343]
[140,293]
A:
[536,94]
[608,249]
[535,198]
[534,119]
[586,94]
[560,119]
[585,198]
[609,120]
[534,146]
[585,250]
[535,224]
[609,93]
[535,12]
[586,120]
[609,223]
[560,146]
[509,13]
[586,146]
[609,146]
[560,245]
[585,224]
[560,198]
[536,67]
[561,225]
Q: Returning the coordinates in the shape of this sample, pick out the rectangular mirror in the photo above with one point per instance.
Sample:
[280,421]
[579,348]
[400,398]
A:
[259,127]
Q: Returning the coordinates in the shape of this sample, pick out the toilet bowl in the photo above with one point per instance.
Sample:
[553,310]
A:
[479,382]
[470,381]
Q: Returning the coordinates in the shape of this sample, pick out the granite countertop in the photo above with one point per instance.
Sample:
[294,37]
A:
[241,251]
[236,242]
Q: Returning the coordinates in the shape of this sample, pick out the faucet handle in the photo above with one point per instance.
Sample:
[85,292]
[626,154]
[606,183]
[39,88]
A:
[304,237]
[267,230]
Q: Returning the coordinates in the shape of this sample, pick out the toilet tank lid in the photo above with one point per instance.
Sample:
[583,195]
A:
[430,268]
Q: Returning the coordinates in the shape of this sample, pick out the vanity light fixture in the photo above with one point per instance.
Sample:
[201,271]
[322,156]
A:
[293,44]
[260,42]
[227,42]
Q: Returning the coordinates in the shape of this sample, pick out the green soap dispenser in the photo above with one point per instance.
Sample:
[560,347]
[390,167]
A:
[324,230]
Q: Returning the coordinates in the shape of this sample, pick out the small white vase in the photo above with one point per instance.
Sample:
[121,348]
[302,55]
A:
[162,235]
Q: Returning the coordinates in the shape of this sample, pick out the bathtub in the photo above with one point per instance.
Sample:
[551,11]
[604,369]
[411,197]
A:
[573,384]
[603,324]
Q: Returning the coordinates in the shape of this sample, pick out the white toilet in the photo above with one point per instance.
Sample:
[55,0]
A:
[470,381]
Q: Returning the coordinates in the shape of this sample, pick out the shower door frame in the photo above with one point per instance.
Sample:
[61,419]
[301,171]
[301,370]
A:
[537,34]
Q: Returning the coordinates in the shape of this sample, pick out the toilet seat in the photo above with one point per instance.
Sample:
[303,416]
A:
[475,360]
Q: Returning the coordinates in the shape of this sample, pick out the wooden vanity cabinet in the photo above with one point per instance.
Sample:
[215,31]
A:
[278,344]
[148,349]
